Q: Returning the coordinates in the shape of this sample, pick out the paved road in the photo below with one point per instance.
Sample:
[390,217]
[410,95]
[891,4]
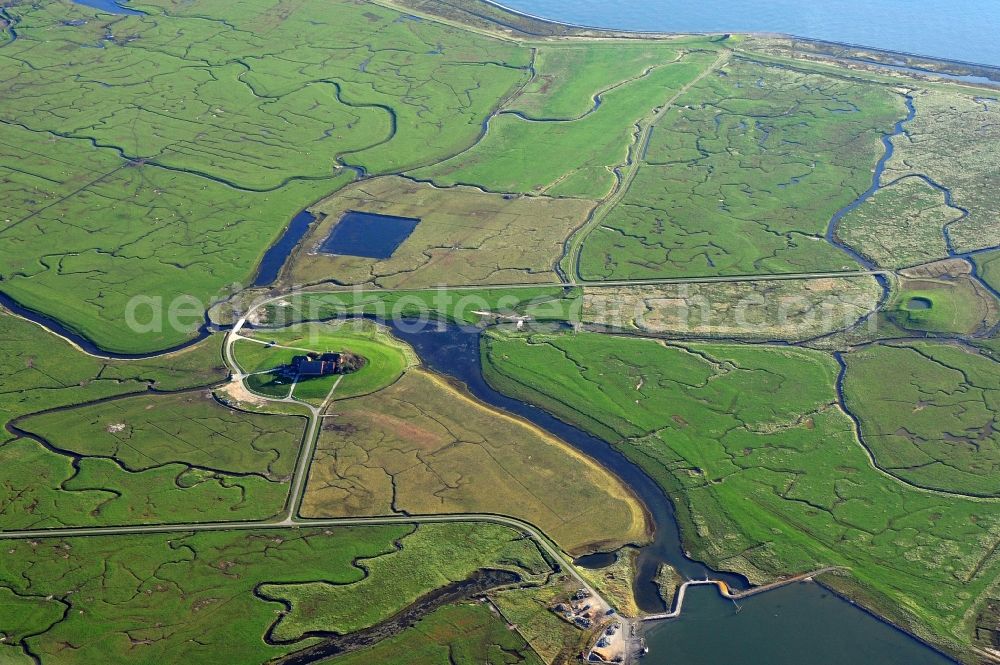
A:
[297,522]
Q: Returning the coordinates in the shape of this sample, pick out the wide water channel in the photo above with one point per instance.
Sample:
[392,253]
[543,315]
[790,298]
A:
[802,623]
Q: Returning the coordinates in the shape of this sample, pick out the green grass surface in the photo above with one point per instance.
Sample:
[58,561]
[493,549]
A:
[766,472]
[40,371]
[928,413]
[452,635]
[953,140]
[45,490]
[735,182]
[164,458]
[190,598]
[566,158]
[190,428]
[552,638]
[42,487]
[942,306]
[173,155]
[386,357]
[569,76]
[431,557]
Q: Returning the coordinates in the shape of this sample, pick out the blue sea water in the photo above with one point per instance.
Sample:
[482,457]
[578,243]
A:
[954,29]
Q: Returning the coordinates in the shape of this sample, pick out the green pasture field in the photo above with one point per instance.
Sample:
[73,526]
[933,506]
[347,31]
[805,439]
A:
[249,88]
[163,458]
[45,490]
[767,473]
[776,180]
[570,158]
[956,305]
[452,635]
[423,446]
[52,487]
[188,428]
[569,76]
[132,238]
[430,557]
[928,413]
[171,157]
[387,358]
[40,371]
[192,597]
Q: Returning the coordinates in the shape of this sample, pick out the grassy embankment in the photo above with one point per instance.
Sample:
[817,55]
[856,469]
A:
[766,471]
[192,597]
[735,182]
[788,310]
[954,306]
[386,359]
[452,305]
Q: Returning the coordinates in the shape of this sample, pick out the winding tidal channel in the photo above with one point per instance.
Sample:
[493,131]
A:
[801,623]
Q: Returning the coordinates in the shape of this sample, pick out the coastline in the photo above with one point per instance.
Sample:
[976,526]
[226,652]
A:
[825,43]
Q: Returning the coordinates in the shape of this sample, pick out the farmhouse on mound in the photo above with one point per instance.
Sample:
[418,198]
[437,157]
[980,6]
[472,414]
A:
[327,364]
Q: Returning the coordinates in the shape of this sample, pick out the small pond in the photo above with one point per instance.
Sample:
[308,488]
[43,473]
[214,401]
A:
[919,303]
[109,6]
[597,560]
[368,235]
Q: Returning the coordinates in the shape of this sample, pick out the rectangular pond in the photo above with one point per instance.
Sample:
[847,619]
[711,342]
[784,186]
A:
[368,234]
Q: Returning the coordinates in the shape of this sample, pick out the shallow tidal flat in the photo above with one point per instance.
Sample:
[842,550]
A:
[465,236]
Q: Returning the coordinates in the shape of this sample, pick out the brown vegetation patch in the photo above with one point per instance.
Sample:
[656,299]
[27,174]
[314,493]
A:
[465,236]
[423,447]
